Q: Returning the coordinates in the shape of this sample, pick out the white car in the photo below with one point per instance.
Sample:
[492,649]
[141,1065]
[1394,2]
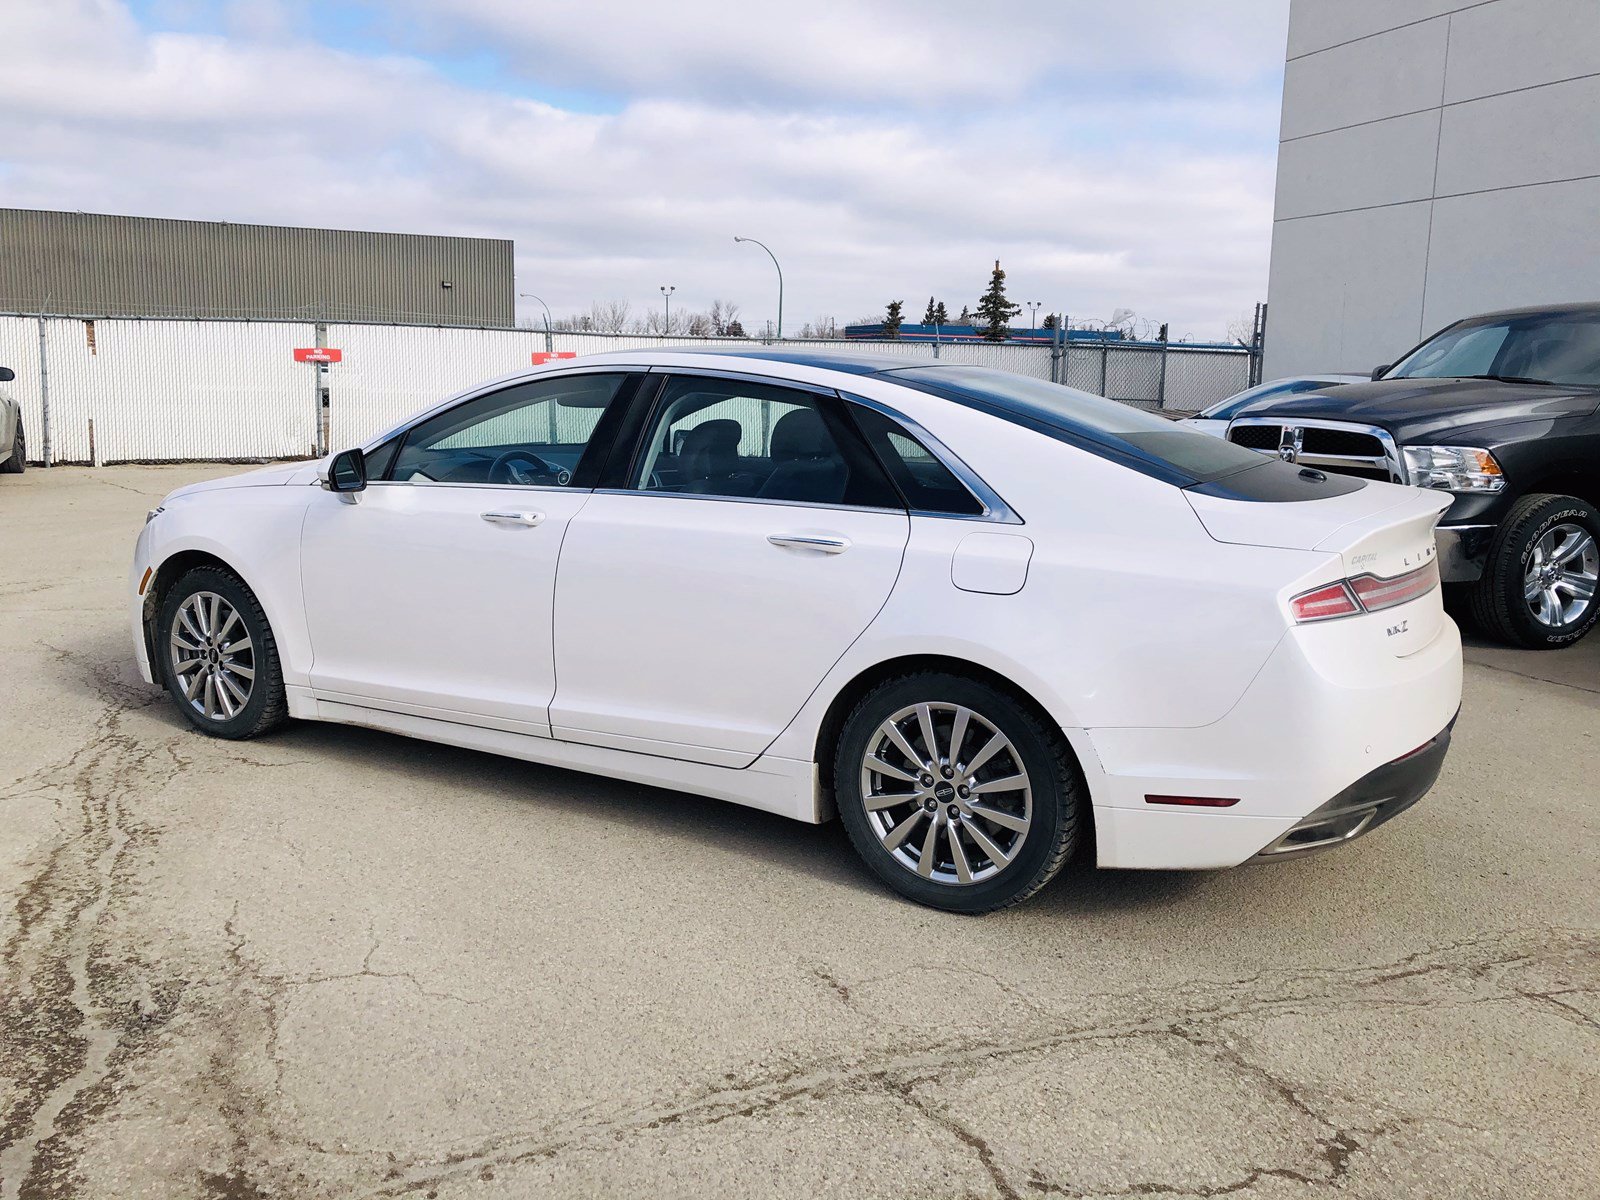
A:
[986,619]
[13,445]
[1214,418]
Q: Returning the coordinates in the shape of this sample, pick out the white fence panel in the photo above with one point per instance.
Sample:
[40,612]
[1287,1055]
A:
[1021,360]
[168,390]
[19,350]
[164,391]
[391,371]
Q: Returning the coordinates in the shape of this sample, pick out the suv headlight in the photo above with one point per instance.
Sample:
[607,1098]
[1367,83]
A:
[1454,468]
[154,513]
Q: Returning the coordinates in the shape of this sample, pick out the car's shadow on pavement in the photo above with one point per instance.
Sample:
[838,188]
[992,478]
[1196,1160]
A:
[820,853]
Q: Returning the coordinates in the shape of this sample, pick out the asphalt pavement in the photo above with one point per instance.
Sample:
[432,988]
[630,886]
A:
[334,962]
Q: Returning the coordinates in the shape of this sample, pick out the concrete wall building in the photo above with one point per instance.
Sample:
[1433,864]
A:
[86,264]
[1437,158]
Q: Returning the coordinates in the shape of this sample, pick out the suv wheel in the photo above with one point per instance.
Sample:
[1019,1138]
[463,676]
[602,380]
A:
[218,656]
[1538,587]
[956,795]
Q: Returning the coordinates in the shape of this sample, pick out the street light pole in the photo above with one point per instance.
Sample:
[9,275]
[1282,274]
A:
[667,293]
[549,344]
[779,269]
[1033,319]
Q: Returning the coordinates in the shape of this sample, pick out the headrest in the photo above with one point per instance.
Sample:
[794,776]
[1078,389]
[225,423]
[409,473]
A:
[801,434]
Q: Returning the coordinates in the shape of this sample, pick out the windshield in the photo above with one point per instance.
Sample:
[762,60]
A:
[1561,348]
[1226,410]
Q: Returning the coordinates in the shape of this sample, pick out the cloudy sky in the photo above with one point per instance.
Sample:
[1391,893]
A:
[1111,155]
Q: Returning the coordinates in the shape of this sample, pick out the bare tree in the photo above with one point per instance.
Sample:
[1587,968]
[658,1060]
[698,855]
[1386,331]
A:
[1242,328]
[723,314]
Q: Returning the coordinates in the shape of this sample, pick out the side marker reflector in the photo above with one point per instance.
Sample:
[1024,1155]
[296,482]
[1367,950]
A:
[1193,801]
[145,582]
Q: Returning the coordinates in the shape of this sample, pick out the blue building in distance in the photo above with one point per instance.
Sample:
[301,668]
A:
[974,333]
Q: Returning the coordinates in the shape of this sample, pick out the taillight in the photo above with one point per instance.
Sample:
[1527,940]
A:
[1377,594]
[1363,593]
[1324,603]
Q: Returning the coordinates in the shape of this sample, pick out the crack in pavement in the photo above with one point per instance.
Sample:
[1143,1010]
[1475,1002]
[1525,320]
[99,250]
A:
[60,1003]
[896,1071]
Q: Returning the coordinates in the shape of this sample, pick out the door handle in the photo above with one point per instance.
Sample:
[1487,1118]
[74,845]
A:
[514,518]
[825,543]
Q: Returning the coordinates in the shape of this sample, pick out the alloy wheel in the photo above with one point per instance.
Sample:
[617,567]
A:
[1561,575]
[212,656]
[946,793]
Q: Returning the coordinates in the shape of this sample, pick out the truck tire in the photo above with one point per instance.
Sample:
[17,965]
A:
[1538,586]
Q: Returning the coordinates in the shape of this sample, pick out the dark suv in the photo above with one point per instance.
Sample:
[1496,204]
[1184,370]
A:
[1500,411]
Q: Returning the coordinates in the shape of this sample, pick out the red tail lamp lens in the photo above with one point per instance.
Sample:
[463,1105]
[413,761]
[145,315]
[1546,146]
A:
[1377,594]
[1324,603]
[1364,593]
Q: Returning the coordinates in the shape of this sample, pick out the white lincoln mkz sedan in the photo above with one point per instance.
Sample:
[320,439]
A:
[987,619]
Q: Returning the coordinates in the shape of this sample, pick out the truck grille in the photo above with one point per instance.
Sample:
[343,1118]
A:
[1358,450]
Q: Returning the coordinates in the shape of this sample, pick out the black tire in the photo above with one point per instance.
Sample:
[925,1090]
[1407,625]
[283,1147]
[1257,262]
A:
[265,707]
[1056,787]
[1499,605]
[18,462]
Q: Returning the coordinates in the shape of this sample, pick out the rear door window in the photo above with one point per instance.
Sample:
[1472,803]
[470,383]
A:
[745,440]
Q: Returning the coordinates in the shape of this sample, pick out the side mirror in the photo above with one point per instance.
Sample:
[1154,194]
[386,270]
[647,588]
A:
[7,374]
[1379,372]
[346,472]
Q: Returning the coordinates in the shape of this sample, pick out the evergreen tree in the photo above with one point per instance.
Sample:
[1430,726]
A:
[966,316]
[995,309]
[891,321]
[1050,321]
[931,315]
[941,315]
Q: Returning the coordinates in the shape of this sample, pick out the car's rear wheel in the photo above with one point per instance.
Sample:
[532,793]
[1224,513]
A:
[18,462]
[1539,585]
[218,656]
[955,793]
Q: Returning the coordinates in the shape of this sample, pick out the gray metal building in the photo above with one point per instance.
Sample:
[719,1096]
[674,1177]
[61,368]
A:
[1438,158]
[95,265]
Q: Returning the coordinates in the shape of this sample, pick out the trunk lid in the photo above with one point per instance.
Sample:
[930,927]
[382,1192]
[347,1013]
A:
[1383,530]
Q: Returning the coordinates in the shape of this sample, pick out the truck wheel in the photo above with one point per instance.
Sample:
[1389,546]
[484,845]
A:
[1538,586]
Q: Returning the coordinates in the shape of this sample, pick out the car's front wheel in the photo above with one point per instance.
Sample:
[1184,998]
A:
[218,656]
[956,794]
[1538,586]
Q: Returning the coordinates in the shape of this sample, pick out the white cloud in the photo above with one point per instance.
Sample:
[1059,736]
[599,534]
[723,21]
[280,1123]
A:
[1152,199]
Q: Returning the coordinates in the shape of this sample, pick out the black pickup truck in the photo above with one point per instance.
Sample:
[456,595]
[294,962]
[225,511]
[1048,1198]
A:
[1501,411]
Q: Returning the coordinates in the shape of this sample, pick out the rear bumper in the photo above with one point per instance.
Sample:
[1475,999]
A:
[1322,724]
[1463,550]
[1367,803]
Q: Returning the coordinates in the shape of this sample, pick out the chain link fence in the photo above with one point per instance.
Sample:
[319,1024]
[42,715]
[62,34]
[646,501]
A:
[100,390]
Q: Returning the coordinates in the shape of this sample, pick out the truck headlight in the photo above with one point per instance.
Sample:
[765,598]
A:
[1454,468]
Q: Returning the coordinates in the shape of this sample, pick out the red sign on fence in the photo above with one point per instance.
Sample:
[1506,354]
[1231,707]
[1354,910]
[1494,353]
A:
[540,357]
[318,354]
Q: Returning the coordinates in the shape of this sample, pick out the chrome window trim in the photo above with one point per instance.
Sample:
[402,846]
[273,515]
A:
[1392,459]
[798,385]
[503,487]
[769,500]
[995,509]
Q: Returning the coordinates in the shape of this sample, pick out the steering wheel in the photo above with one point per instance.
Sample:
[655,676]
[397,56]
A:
[526,467]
